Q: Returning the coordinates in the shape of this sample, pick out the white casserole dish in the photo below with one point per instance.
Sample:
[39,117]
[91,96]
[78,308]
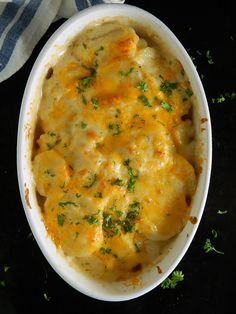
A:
[28,115]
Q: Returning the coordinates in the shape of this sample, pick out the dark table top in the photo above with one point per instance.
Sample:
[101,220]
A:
[209,277]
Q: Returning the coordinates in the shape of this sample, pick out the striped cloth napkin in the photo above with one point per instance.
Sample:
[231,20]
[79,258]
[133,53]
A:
[23,23]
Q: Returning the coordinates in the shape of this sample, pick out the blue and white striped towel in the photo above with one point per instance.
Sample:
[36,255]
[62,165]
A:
[23,23]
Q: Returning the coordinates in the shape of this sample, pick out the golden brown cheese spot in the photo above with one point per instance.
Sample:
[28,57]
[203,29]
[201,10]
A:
[115,151]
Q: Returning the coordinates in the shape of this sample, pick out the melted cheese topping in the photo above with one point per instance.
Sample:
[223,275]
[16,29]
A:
[114,158]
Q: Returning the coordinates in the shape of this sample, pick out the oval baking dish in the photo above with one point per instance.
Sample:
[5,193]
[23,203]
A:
[176,247]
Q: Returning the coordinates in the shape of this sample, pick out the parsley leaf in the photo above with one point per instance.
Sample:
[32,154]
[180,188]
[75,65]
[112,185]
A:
[92,220]
[98,50]
[104,250]
[63,204]
[209,247]
[209,57]
[167,87]
[131,70]
[95,103]
[83,125]
[60,219]
[132,179]
[171,282]
[117,181]
[142,85]
[91,180]
[222,212]
[145,100]
[166,106]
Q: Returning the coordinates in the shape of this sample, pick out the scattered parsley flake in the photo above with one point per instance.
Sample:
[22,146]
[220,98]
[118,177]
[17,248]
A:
[145,100]
[83,125]
[6,268]
[63,204]
[91,180]
[101,48]
[214,233]
[209,247]
[209,57]
[104,250]
[84,100]
[92,220]
[117,181]
[2,283]
[132,179]
[86,81]
[78,195]
[115,127]
[171,282]
[142,85]
[98,195]
[131,70]
[222,212]
[46,297]
[84,45]
[189,92]
[167,87]
[166,106]
[95,103]
[60,219]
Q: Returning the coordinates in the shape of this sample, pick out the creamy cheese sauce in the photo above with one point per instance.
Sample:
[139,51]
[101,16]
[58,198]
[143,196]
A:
[115,149]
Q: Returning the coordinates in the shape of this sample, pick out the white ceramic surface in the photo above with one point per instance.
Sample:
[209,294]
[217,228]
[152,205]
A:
[30,102]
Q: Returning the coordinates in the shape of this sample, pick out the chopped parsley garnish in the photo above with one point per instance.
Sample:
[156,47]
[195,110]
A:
[6,268]
[127,225]
[98,195]
[64,204]
[2,283]
[222,212]
[109,225]
[51,133]
[104,250]
[145,100]
[98,50]
[46,297]
[166,106]
[91,180]
[167,87]
[115,127]
[209,57]
[84,100]
[131,70]
[79,89]
[135,205]
[117,181]
[119,213]
[60,219]
[132,179]
[84,45]
[78,195]
[49,173]
[93,72]
[83,125]
[142,85]
[91,219]
[214,233]
[86,81]
[52,140]
[189,92]
[209,247]
[171,282]
[95,103]
[132,214]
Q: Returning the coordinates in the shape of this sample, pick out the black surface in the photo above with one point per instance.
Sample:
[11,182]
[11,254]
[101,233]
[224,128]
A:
[209,277]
